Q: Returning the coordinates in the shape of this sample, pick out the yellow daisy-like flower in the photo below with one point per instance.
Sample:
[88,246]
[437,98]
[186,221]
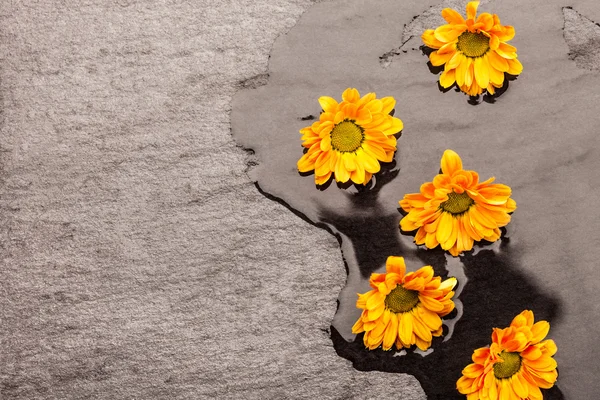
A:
[350,138]
[517,364]
[404,309]
[474,52]
[455,209]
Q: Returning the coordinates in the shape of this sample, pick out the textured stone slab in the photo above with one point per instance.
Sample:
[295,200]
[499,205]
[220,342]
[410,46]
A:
[137,260]
[583,38]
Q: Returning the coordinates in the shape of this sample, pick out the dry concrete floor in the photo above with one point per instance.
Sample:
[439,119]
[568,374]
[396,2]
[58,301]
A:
[138,260]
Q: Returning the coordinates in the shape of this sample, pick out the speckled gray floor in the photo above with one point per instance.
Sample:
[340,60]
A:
[137,258]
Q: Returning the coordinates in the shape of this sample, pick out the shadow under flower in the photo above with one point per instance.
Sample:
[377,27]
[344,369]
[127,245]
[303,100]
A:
[493,290]
[372,231]
[472,100]
[494,293]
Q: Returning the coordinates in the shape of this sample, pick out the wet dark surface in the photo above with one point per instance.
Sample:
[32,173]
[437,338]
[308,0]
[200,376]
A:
[539,137]
[493,294]
[369,226]
[490,293]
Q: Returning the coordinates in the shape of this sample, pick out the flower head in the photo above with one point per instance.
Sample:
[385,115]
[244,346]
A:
[474,51]
[403,309]
[456,209]
[350,138]
[517,364]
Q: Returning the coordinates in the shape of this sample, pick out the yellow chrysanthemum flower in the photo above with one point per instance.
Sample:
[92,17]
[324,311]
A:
[474,52]
[404,309]
[515,366]
[455,209]
[350,138]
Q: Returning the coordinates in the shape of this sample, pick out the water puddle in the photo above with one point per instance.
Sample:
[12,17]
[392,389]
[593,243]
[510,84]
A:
[491,289]
[520,138]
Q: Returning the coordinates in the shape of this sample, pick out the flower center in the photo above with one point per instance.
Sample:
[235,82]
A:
[473,44]
[346,137]
[510,365]
[401,300]
[457,203]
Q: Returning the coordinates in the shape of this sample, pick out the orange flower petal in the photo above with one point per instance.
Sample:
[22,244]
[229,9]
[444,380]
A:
[534,371]
[472,9]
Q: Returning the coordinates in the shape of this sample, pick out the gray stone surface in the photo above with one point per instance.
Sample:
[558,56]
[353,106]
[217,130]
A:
[137,259]
[583,38]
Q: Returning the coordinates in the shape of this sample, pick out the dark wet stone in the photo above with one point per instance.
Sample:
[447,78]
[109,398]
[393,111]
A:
[536,138]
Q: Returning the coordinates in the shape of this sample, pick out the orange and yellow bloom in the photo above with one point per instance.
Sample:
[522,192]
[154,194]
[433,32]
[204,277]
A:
[403,308]
[474,51]
[350,138]
[455,209]
[517,364]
